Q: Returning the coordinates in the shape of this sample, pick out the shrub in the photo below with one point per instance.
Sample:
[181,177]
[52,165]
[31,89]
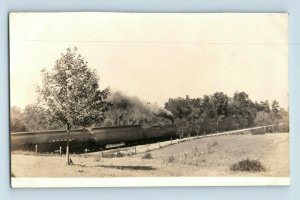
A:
[214,143]
[97,158]
[114,155]
[120,154]
[171,159]
[248,165]
[131,154]
[283,128]
[195,151]
[147,156]
[260,131]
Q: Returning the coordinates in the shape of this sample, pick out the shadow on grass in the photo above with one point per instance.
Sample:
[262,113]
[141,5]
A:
[122,167]
[127,167]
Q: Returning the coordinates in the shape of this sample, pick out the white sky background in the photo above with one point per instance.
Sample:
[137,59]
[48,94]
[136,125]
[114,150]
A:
[156,56]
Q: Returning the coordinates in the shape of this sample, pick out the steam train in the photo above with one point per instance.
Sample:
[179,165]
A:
[92,139]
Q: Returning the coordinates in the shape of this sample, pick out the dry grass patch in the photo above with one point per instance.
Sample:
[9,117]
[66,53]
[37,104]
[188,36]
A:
[211,156]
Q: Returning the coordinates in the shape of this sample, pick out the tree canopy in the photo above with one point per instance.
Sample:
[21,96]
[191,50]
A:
[17,123]
[70,96]
[70,92]
[219,112]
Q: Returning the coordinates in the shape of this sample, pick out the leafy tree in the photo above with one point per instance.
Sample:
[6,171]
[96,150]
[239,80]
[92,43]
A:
[17,120]
[208,107]
[218,112]
[265,105]
[243,110]
[263,118]
[37,119]
[284,115]
[180,107]
[220,103]
[275,107]
[70,93]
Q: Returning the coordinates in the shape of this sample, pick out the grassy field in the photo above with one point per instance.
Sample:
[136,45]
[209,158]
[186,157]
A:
[210,156]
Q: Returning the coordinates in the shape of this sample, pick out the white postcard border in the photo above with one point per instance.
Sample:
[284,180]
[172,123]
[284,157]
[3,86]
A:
[148,182]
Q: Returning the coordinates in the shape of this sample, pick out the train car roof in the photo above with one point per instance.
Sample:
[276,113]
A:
[87,129]
[74,130]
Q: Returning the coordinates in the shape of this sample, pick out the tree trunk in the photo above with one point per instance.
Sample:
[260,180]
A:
[68,142]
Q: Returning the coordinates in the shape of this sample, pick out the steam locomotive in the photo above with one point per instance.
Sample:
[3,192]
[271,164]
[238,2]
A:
[92,139]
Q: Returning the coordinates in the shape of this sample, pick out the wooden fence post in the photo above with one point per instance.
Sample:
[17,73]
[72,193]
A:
[67,154]
[60,150]
[36,148]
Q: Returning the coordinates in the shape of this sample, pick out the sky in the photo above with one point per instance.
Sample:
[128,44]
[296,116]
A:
[156,56]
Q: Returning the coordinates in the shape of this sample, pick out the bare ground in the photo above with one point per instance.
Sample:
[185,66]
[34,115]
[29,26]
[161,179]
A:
[210,156]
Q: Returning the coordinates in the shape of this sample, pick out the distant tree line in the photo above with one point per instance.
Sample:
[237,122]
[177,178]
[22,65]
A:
[123,110]
[211,113]
[32,118]
[219,112]
[70,97]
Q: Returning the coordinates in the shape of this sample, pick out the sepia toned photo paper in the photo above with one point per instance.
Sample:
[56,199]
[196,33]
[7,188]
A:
[148,99]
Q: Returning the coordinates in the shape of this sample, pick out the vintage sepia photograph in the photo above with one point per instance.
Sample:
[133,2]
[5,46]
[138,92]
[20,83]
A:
[100,99]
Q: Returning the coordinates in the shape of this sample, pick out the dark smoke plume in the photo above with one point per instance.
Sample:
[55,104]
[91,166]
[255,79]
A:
[134,107]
